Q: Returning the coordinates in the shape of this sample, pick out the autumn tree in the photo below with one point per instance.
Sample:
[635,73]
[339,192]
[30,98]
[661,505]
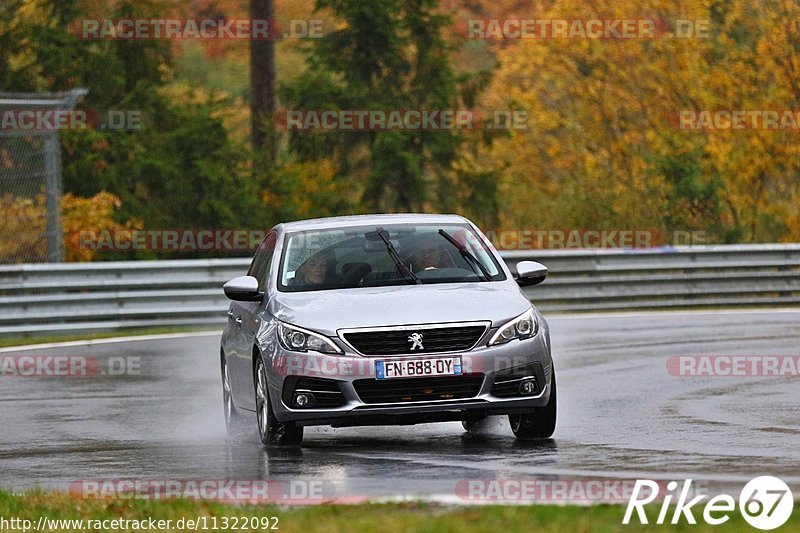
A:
[385,55]
[181,169]
[603,148]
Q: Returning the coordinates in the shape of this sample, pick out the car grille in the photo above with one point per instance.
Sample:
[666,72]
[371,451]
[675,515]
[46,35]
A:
[434,340]
[418,389]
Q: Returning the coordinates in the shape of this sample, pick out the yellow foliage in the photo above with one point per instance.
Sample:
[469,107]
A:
[22,235]
[93,214]
[308,190]
[600,115]
[22,230]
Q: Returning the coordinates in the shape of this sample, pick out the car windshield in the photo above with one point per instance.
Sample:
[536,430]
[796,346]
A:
[385,255]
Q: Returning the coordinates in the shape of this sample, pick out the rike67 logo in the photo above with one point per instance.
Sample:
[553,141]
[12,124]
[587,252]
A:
[766,503]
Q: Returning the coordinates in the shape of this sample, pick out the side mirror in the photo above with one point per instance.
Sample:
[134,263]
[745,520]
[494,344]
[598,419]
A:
[530,273]
[243,289]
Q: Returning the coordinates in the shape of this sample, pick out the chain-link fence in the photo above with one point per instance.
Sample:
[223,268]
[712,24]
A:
[30,175]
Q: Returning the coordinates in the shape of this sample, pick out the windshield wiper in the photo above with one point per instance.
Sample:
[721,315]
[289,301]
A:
[467,255]
[384,235]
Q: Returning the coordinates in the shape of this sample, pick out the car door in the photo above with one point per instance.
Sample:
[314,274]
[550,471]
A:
[244,317]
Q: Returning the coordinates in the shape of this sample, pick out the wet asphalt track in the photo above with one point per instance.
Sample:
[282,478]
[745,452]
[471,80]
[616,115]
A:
[622,415]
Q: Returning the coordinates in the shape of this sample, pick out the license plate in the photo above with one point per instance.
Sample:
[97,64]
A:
[409,368]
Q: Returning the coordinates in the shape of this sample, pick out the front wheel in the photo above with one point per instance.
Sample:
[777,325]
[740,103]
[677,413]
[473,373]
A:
[271,431]
[475,425]
[540,423]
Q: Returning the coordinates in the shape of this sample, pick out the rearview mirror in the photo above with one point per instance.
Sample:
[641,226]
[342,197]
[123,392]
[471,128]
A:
[243,289]
[530,273]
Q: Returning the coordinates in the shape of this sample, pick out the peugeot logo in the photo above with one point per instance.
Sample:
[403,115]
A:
[416,339]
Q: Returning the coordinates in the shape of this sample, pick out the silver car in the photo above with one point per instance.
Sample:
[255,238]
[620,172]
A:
[384,320]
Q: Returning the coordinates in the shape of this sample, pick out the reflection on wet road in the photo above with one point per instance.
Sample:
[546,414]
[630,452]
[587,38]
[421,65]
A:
[621,415]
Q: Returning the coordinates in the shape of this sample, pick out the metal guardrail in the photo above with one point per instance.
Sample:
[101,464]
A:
[56,298]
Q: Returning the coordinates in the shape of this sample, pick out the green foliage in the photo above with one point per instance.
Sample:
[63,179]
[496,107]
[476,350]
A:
[599,152]
[11,44]
[181,170]
[386,55]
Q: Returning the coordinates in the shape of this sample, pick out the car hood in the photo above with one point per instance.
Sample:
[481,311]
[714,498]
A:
[328,311]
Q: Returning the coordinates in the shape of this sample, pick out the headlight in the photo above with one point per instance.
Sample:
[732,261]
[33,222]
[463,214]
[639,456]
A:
[302,340]
[522,327]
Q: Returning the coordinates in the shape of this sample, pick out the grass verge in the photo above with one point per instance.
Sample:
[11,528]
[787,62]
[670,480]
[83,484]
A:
[68,337]
[414,516]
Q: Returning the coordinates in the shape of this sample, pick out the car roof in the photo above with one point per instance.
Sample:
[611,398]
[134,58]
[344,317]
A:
[366,220]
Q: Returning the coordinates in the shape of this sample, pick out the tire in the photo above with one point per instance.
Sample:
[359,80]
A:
[234,421]
[540,423]
[272,432]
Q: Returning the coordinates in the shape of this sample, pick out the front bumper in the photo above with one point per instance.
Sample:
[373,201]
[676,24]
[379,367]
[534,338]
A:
[285,368]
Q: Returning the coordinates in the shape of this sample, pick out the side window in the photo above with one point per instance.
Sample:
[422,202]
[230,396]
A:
[259,268]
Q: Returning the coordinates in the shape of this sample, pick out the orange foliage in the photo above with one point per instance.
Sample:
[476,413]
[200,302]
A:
[22,235]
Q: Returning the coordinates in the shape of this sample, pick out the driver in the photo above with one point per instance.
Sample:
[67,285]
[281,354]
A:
[430,257]
[314,271]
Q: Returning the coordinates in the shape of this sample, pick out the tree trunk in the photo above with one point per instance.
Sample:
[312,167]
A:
[262,83]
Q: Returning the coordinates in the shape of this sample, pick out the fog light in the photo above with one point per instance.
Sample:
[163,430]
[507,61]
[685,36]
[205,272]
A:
[527,387]
[304,400]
